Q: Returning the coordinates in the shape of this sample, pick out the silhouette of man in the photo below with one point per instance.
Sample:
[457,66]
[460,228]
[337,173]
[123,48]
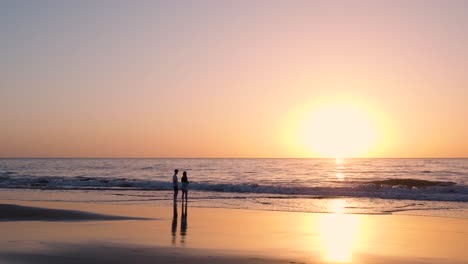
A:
[175,184]
[174,224]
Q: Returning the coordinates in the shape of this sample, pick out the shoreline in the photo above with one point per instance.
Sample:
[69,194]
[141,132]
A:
[298,204]
[4,202]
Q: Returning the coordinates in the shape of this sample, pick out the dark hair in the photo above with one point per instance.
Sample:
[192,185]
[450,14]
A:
[176,170]
[185,173]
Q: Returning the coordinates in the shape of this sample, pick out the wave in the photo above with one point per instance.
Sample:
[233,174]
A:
[412,183]
[410,189]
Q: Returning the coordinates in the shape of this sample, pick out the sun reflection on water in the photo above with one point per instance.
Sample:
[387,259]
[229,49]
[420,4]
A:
[339,161]
[338,233]
[339,176]
[339,167]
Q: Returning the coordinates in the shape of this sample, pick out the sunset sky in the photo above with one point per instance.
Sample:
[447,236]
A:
[234,78]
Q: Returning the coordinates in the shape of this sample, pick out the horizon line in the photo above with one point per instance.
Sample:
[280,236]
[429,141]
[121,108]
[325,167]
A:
[231,158]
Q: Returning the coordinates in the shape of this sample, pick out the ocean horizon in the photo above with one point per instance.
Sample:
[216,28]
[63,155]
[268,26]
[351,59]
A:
[436,187]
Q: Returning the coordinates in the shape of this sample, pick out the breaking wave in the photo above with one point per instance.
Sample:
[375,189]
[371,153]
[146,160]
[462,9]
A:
[410,189]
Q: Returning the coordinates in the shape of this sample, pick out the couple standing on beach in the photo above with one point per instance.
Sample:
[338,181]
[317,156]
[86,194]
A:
[175,184]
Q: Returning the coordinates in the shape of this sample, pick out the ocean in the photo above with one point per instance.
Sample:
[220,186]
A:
[434,187]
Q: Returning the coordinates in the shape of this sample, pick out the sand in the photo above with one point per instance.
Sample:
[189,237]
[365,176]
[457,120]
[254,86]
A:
[12,212]
[158,234]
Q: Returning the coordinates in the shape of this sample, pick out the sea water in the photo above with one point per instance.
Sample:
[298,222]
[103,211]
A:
[436,187]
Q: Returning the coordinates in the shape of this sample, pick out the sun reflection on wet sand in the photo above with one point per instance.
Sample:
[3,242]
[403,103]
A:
[338,233]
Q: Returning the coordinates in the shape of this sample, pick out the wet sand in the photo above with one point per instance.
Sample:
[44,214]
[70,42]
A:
[185,234]
[12,212]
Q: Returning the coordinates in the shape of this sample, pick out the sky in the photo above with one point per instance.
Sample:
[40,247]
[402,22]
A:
[233,78]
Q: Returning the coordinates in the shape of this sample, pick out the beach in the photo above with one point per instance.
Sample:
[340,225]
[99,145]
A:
[300,131]
[114,233]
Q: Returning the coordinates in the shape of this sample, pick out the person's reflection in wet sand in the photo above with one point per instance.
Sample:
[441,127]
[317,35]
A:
[183,222]
[174,224]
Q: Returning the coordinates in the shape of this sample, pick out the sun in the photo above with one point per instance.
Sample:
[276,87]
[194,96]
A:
[339,131]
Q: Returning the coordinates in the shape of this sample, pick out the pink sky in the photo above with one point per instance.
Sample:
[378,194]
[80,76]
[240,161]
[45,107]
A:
[226,78]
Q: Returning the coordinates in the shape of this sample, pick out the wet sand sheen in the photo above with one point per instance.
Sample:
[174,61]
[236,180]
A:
[212,235]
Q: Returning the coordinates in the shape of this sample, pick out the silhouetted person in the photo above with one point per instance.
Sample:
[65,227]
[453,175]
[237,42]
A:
[185,184]
[175,184]
[183,222]
[174,223]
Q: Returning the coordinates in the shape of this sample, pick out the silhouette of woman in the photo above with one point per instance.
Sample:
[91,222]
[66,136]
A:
[185,184]
[183,222]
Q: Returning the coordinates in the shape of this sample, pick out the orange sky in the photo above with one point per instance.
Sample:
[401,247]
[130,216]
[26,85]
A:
[224,79]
